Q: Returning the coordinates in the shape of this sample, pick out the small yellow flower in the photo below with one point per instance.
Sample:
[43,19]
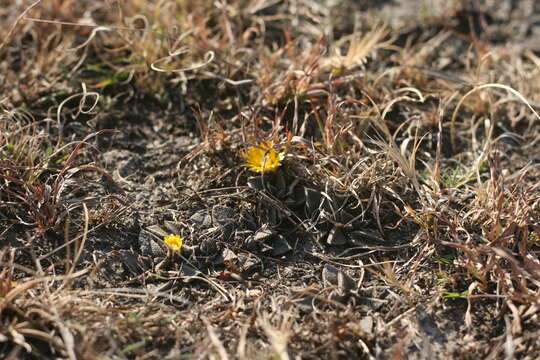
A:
[263,157]
[174,242]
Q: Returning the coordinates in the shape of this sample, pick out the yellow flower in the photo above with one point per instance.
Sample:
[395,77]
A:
[174,242]
[263,157]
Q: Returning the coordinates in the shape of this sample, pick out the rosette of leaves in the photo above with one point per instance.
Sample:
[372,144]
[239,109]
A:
[333,219]
[336,219]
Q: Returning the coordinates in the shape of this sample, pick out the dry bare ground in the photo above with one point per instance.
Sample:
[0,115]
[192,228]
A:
[350,179]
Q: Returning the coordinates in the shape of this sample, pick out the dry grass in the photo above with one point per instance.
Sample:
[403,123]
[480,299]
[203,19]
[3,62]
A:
[410,164]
